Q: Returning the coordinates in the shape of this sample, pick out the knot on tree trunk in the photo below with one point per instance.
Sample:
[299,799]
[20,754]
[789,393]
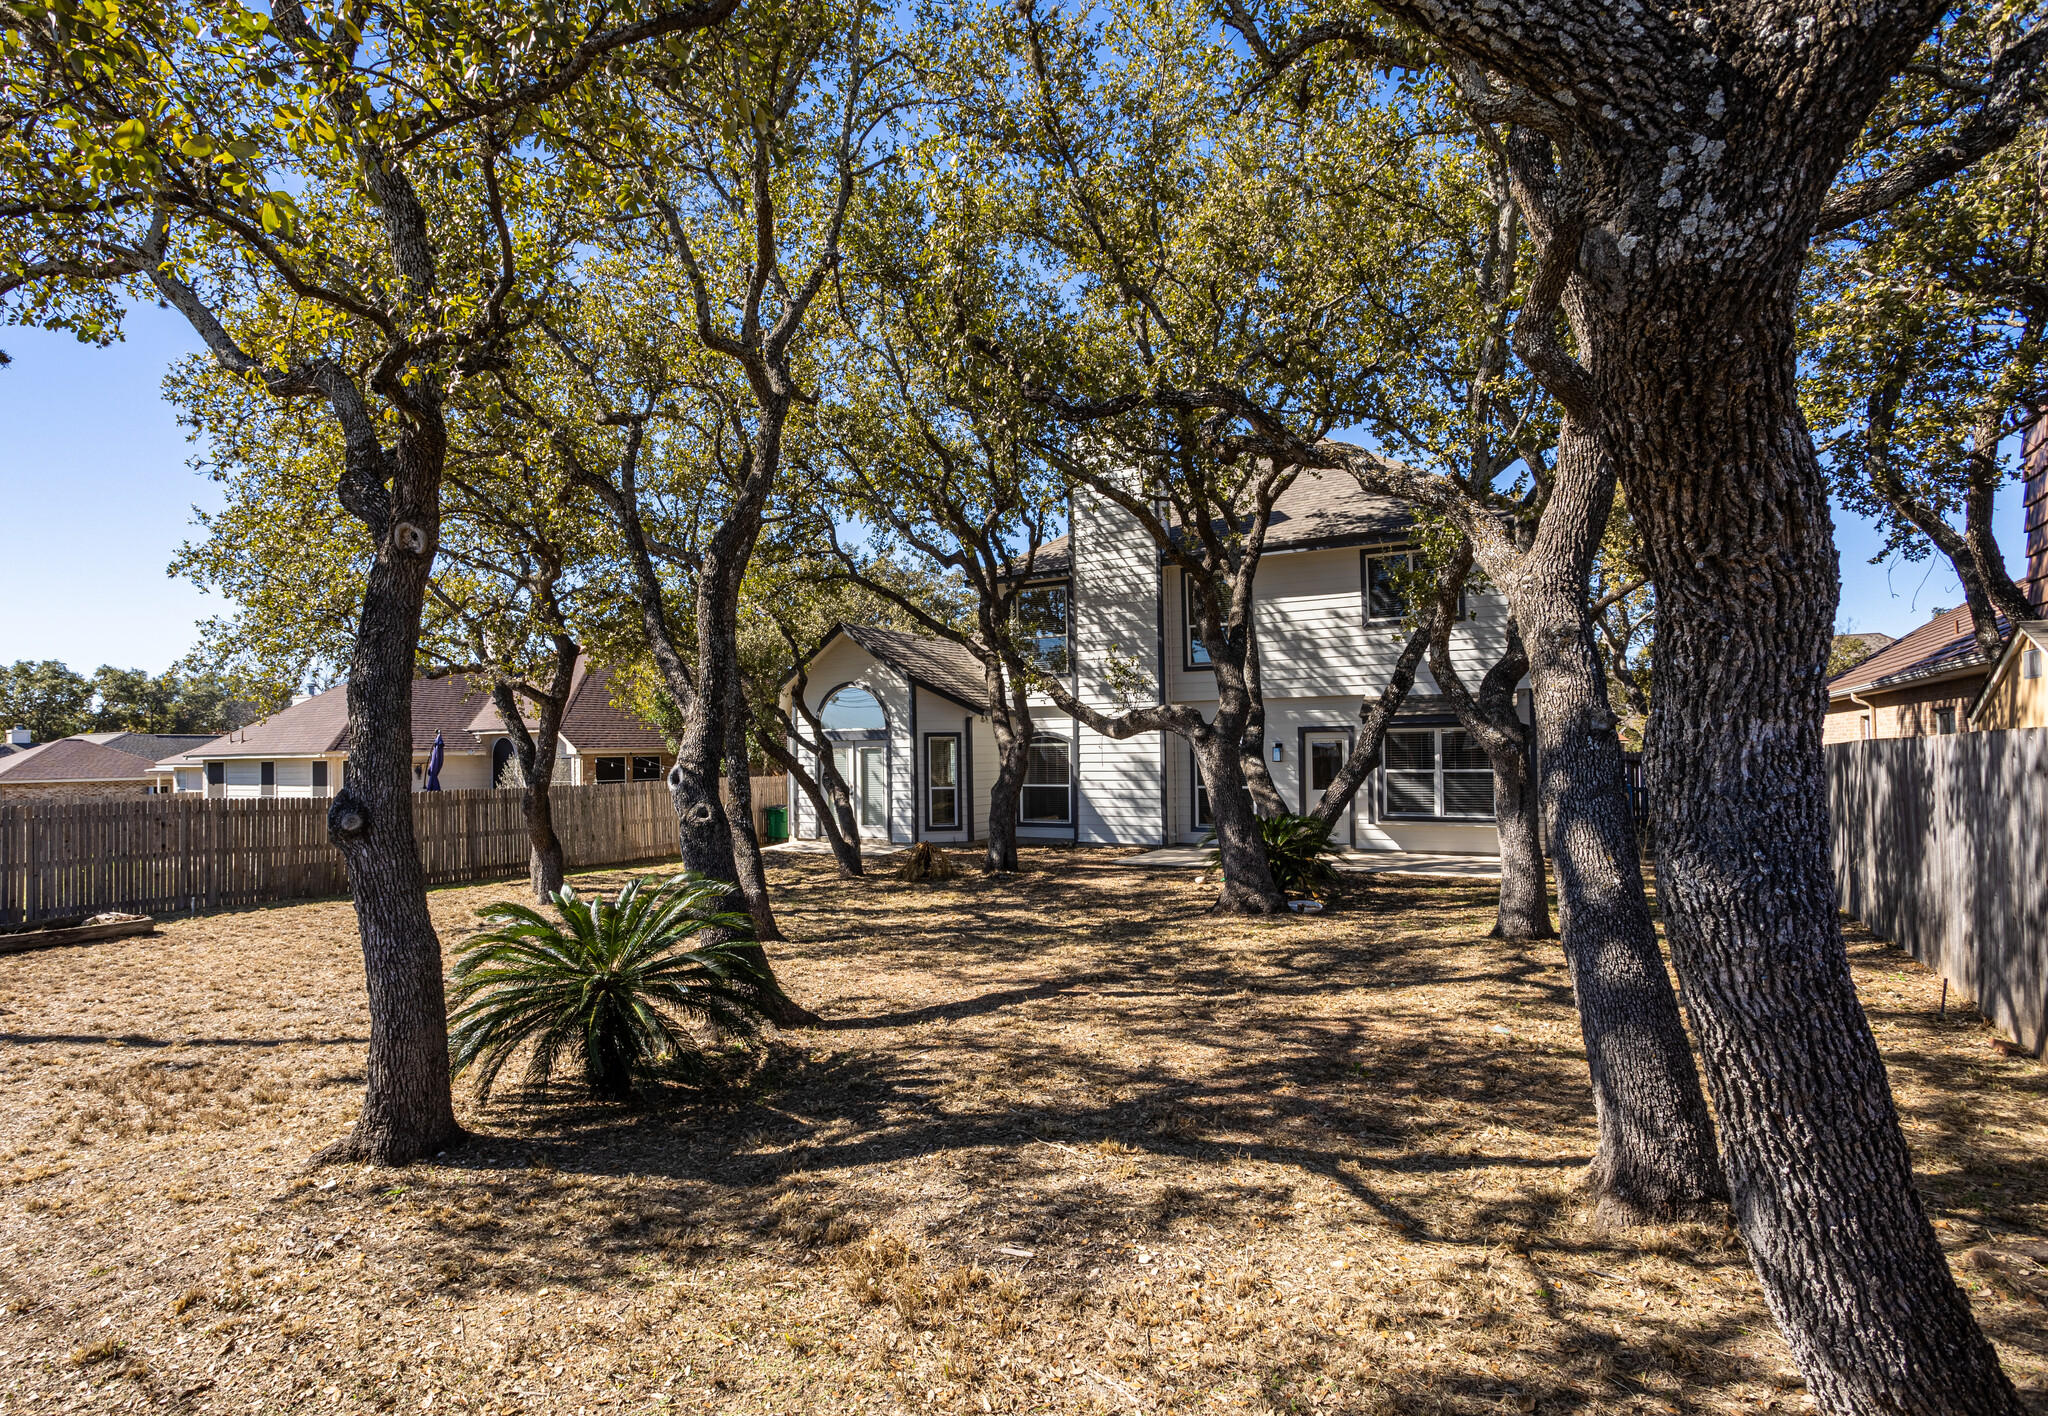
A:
[348,818]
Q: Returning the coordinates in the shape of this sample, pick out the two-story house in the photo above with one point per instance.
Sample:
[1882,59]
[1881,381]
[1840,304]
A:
[908,719]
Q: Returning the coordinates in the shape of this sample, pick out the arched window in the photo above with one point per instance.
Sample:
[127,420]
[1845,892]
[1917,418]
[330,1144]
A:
[505,769]
[852,709]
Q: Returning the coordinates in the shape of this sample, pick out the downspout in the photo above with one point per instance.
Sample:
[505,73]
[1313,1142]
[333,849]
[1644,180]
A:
[1868,707]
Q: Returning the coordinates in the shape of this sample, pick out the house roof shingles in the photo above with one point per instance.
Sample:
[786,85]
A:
[318,726]
[73,759]
[938,664]
[1320,511]
[1945,644]
[154,747]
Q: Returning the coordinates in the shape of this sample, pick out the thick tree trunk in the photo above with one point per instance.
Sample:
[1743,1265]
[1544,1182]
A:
[1696,372]
[1248,886]
[1258,778]
[1524,910]
[538,753]
[746,847]
[1491,720]
[1656,1159]
[1013,758]
[408,1107]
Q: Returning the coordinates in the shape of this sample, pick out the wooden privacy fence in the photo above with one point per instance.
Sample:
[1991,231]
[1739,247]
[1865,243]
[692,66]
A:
[1941,846]
[173,854]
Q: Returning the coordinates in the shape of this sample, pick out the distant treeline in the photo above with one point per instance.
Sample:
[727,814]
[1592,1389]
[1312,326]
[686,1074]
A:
[54,701]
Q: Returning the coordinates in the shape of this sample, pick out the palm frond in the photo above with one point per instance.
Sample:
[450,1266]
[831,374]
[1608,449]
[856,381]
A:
[617,985]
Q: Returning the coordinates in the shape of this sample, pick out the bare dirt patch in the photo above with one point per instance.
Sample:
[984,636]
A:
[1065,1144]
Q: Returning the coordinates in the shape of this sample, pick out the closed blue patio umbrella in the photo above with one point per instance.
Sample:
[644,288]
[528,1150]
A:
[434,766]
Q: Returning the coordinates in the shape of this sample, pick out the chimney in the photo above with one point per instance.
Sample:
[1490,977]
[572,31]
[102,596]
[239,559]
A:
[2034,513]
[17,736]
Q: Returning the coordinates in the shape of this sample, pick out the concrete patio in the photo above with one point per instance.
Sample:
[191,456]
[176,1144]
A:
[1350,861]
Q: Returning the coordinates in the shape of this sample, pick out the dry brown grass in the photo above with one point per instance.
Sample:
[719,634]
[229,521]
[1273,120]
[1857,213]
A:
[1066,1144]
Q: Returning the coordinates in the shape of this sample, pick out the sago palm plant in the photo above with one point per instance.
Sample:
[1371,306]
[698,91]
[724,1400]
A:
[612,984]
[1298,851]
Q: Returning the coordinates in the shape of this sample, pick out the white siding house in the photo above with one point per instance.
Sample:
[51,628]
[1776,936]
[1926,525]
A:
[906,711]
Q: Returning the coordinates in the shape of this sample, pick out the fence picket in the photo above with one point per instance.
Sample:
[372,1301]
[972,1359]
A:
[1939,847]
[166,855]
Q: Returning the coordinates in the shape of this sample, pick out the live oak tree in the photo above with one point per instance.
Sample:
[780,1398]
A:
[1701,151]
[942,470]
[732,183]
[360,174]
[1923,330]
[1162,236]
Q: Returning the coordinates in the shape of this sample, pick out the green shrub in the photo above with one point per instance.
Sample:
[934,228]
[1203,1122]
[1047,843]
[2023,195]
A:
[612,985]
[1298,852]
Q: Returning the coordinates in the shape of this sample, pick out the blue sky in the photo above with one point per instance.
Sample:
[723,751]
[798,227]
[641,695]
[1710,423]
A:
[97,496]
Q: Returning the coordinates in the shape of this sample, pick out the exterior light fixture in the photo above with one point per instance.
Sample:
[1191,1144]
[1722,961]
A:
[1278,751]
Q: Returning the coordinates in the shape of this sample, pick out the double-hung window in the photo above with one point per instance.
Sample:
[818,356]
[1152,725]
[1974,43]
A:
[942,781]
[1435,773]
[1385,596]
[1048,783]
[1042,626]
[1191,621]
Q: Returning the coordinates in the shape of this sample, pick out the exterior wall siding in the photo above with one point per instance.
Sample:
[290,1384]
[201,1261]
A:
[1115,626]
[1903,712]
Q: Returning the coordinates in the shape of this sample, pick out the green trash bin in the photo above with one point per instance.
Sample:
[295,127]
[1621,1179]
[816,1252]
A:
[777,820]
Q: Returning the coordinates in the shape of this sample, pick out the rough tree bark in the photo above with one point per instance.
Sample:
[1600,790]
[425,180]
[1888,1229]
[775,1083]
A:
[1707,145]
[746,847]
[1656,1159]
[1011,722]
[538,754]
[1258,777]
[1490,718]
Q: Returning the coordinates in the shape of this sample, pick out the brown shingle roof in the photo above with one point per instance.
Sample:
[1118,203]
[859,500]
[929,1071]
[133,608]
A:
[1944,644]
[937,664]
[1319,511]
[73,760]
[593,724]
[319,725]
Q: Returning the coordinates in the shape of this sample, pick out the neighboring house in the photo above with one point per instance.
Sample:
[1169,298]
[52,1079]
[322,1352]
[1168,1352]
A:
[87,766]
[302,750]
[906,712]
[1922,684]
[2016,695]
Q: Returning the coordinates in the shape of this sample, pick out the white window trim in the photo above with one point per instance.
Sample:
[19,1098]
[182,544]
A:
[1436,782]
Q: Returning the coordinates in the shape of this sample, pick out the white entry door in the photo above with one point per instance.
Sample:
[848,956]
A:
[865,770]
[1325,753]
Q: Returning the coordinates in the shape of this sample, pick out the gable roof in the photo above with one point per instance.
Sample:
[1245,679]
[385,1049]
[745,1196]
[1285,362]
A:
[591,723]
[934,664]
[1321,510]
[154,747]
[1945,645]
[2028,634]
[318,726]
[73,759]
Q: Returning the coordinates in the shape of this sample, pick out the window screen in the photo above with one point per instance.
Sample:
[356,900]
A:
[1468,776]
[1047,782]
[942,781]
[1411,773]
[266,774]
[1383,597]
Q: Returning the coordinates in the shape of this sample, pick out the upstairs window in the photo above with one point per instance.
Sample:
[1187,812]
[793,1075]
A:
[1191,620]
[1042,627]
[1385,598]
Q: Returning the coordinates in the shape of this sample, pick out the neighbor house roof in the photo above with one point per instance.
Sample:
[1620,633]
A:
[155,747]
[73,759]
[591,722]
[1945,645]
[318,726]
[940,665]
[1320,511]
